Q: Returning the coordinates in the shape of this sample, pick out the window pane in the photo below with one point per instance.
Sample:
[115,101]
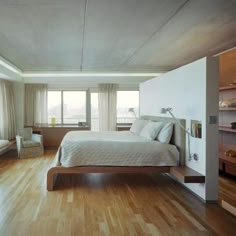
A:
[94,112]
[54,106]
[126,100]
[74,107]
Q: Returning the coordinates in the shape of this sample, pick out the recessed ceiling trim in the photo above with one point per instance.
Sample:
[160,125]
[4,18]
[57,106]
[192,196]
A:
[76,74]
[227,50]
[10,67]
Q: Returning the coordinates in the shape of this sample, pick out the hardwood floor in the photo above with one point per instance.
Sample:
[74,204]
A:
[227,192]
[100,204]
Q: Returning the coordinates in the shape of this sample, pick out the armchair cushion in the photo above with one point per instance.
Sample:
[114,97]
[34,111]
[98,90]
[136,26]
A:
[26,133]
[29,143]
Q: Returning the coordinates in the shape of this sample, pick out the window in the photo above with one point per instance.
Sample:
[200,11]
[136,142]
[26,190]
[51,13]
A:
[126,100]
[74,107]
[54,106]
[68,107]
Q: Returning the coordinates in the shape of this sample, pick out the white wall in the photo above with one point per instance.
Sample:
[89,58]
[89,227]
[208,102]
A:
[185,90]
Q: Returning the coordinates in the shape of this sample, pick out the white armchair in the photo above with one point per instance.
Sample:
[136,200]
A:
[28,144]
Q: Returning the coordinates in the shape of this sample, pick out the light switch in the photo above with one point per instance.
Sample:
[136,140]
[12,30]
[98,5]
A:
[212,120]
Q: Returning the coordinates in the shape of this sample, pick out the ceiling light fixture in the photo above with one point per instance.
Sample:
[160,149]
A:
[76,74]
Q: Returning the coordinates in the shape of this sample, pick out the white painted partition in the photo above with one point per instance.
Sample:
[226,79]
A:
[192,92]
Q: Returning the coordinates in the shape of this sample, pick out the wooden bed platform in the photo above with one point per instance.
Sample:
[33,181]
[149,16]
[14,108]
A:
[182,173]
[54,171]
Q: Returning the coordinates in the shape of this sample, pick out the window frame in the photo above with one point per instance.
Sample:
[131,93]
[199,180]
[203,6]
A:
[87,100]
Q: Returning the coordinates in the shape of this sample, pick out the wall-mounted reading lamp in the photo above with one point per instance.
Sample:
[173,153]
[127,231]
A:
[131,110]
[169,110]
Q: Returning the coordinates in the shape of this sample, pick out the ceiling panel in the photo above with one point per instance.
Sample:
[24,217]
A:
[42,36]
[119,35]
[200,29]
[115,29]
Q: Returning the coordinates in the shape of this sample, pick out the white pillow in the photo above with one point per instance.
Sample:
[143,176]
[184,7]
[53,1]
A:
[165,134]
[137,126]
[151,130]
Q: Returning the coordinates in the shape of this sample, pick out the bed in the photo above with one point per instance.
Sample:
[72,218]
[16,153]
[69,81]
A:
[117,152]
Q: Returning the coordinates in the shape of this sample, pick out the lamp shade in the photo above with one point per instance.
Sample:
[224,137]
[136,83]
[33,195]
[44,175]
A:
[131,109]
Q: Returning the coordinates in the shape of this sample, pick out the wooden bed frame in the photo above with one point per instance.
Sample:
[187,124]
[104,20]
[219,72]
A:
[178,139]
[54,171]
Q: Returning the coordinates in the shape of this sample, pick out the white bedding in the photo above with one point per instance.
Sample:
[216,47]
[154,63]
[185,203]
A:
[4,143]
[84,148]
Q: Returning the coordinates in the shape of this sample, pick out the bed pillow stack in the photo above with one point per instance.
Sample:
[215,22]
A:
[161,131]
[137,126]
[166,133]
[151,130]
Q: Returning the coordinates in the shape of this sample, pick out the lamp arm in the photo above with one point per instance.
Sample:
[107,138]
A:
[186,131]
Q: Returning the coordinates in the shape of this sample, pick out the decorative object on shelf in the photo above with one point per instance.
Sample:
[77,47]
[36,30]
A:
[196,129]
[233,125]
[82,124]
[53,121]
[131,110]
[228,103]
[230,153]
[169,110]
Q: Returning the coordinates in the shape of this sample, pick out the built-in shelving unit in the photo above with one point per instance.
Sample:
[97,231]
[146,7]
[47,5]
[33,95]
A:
[228,135]
[228,109]
[227,129]
[227,87]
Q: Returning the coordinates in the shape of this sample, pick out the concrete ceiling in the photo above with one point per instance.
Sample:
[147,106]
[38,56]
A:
[114,35]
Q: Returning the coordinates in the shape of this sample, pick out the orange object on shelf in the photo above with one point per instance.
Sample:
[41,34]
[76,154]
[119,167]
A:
[230,153]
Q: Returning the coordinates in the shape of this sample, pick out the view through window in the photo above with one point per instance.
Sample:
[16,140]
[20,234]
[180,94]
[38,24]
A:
[125,101]
[54,106]
[68,107]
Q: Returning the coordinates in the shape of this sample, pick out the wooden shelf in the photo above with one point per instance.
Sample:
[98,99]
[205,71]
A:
[227,164]
[227,129]
[228,109]
[187,175]
[228,159]
[227,87]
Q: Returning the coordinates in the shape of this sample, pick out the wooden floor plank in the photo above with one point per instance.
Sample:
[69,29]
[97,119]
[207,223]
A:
[100,204]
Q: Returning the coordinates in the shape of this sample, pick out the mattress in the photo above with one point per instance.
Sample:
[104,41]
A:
[123,148]
[4,143]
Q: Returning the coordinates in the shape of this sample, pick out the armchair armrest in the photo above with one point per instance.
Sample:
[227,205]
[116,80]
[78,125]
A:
[19,140]
[19,144]
[37,138]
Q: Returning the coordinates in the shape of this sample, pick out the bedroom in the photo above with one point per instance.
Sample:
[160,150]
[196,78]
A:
[77,45]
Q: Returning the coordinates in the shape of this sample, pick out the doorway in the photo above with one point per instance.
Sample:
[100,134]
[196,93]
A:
[227,131]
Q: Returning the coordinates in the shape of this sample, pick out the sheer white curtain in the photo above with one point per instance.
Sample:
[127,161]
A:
[107,99]
[36,96]
[7,111]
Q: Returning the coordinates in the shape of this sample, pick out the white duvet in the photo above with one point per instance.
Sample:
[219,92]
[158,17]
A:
[84,148]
